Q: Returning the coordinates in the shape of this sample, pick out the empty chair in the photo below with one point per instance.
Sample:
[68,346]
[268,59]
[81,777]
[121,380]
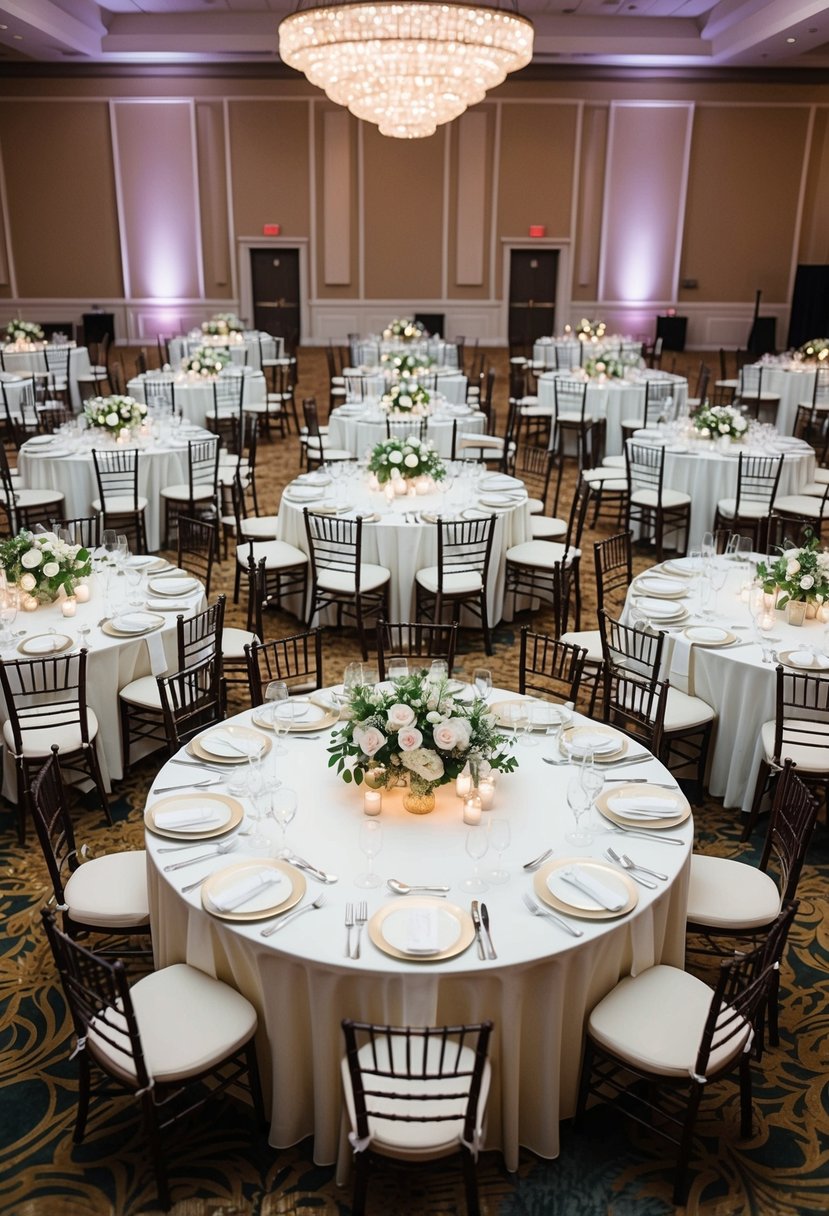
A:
[160,393]
[416,1094]
[613,562]
[200,494]
[531,566]
[317,452]
[56,362]
[154,1038]
[105,895]
[573,423]
[811,418]
[757,480]
[296,660]
[413,640]
[25,508]
[404,428]
[192,700]
[285,565]
[659,397]
[752,397]
[657,511]
[340,579]
[461,577]
[85,530]
[119,505]
[534,465]
[548,667]
[669,1030]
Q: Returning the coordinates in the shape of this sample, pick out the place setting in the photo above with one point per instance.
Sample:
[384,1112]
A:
[132,624]
[229,745]
[585,888]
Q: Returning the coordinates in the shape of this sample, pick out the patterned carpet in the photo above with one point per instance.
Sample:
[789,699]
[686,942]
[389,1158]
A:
[224,1166]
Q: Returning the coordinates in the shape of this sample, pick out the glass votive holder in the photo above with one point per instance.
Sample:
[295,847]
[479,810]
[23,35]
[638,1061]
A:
[472,809]
[82,593]
[486,792]
[463,783]
[372,802]
[68,606]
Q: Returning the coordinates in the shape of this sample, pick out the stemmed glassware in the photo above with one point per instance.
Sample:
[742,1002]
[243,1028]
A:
[499,839]
[592,778]
[717,576]
[476,846]
[9,604]
[578,799]
[397,669]
[279,712]
[482,679]
[438,670]
[283,810]
[371,842]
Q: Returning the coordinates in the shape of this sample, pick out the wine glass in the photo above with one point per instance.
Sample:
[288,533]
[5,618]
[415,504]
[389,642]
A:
[397,669]
[438,670]
[592,778]
[279,713]
[476,846]
[499,839]
[525,723]
[283,810]
[704,591]
[717,576]
[708,547]
[578,799]
[482,679]
[562,722]
[9,604]
[122,550]
[134,578]
[371,842]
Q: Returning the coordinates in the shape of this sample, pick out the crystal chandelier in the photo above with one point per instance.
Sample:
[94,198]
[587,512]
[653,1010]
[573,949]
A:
[406,65]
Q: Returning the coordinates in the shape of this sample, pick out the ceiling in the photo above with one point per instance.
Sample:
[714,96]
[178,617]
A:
[661,34]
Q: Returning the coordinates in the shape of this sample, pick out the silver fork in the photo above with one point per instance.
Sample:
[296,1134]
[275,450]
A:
[286,920]
[349,924]
[359,920]
[643,882]
[537,910]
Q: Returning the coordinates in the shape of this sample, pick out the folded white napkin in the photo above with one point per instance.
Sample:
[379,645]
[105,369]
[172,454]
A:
[174,586]
[593,743]
[231,745]
[421,932]
[659,808]
[807,658]
[155,650]
[47,644]
[659,608]
[595,888]
[193,816]
[244,889]
[134,622]
[168,606]
[681,659]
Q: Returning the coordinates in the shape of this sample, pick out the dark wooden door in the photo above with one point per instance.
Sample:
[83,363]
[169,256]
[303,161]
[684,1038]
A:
[532,294]
[275,279]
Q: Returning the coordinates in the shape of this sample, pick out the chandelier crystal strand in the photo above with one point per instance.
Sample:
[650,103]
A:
[410,66]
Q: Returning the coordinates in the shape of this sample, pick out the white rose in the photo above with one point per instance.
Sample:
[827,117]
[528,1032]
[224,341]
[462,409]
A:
[31,559]
[807,582]
[426,763]
[405,401]
[28,582]
[399,716]
[792,568]
[369,739]
[51,569]
[409,739]
[433,717]
[195,365]
[411,461]
[112,419]
[446,735]
[724,428]
[395,457]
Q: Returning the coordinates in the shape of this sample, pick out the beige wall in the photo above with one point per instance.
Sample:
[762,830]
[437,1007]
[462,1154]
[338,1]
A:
[116,192]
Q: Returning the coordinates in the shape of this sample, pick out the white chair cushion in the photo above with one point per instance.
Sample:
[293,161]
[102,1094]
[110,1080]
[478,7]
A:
[573,416]
[535,506]
[814,488]
[543,527]
[810,759]
[343,582]
[118,505]
[602,473]
[683,712]
[724,893]
[748,508]
[822,476]
[277,554]
[143,692]
[614,462]
[461,582]
[234,642]
[182,493]
[800,504]
[542,553]
[187,1021]
[670,498]
[656,1019]
[110,891]
[36,498]
[260,527]
[589,639]
[39,741]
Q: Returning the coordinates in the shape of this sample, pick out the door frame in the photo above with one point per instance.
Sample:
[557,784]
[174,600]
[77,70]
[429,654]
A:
[563,288]
[244,245]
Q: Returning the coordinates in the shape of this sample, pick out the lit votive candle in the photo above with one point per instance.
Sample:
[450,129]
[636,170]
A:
[463,784]
[486,792]
[68,606]
[472,810]
[372,802]
[82,593]
[29,603]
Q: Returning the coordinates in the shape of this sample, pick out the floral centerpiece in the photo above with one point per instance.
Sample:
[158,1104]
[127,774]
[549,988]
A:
[405,328]
[814,351]
[221,324]
[118,415]
[403,365]
[405,458]
[23,331]
[605,367]
[800,574]
[416,731]
[588,329]
[407,397]
[715,421]
[205,361]
[41,564]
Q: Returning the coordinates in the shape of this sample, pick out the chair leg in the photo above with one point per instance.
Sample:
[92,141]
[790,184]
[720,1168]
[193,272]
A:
[470,1180]
[83,1098]
[361,1166]
[759,790]
[95,773]
[681,1174]
[772,1008]
[584,1081]
[745,1095]
[485,624]
[156,1152]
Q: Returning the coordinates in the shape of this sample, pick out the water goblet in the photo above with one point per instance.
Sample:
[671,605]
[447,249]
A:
[134,579]
[525,723]
[9,604]
[283,811]
[717,576]
[397,669]
[499,839]
[704,590]
[438,670]
[371,842]
[578,799]
[708,547]
[482,679]
[592,778]
[562,721]
[279,712]
[84,630]
[476,846]
[122,550]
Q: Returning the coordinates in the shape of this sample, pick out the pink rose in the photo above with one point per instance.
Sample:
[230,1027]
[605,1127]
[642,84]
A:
[400,716]
[369,740]
[451,733]
[409,738]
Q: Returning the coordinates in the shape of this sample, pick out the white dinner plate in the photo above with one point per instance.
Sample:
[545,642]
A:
[501,481]
[709,635]
[639,806]
[389,928]
[135,622]
[662,610]
[139,561]
[227,814]
[173,586]
[557,893]
[302,493]
[229,744]
[497,500]
[662,588]
[39,441]
[283,893]
[803,660]
[45,644]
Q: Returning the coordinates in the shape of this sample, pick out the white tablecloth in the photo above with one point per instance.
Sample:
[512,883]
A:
[573,353]
[708,475]
[195,397]
[367,351]
[614,400]
[794,385]
[111,664]
[159,465]
[404,547]
[245,352]
[538,993]
[369,384]
[359,429]
[27,362]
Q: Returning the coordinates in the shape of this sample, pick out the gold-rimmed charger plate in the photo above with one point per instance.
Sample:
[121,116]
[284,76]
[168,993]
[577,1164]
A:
[112,630]
[642,791]
[61,641]
[196,748]
[697,635]
[174,585]
[343,510]
[785,657]
[542,714]
[576,732]
[180,802]
[658,587]
[288,896]
[656,615]
[581,905]
[319,717]
[674,570]
[452,912]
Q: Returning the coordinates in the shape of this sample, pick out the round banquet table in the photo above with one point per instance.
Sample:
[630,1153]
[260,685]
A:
[244,352]
[112,662]
[66,465]
[374,381]
[698,467]
[733,679]
[573,353]
[194,395]
[401,539]
[794,384]
[357,428]
[366,352]
[25,362]
[538,992]
[613,400]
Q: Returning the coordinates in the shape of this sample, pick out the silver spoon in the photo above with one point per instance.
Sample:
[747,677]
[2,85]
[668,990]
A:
[189,785]
[643,882]
[402,888]
[224,847]
[537,861]
[629,864]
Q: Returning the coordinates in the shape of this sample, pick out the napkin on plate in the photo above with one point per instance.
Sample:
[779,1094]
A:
[421,932]
[807,658]
[594,743]
[134,622]
[245,889]
[661,807]
[189,817]
[233,744]
[46,644]
[603,894]
[168,606]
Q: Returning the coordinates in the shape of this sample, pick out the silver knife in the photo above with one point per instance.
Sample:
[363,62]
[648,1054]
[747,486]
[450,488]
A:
[476,921]
[314,871]
[485,920]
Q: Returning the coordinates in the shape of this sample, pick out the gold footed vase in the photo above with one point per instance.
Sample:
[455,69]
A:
[417,803]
